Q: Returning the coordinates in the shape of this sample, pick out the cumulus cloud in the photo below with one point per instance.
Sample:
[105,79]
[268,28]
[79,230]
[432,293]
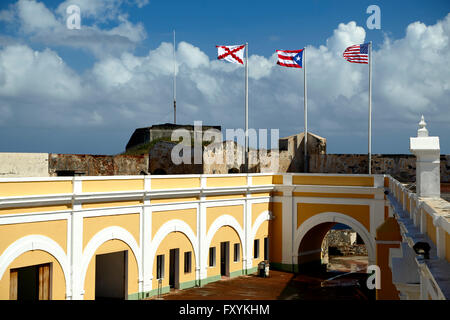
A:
[37,74]
[42,25]
[35,17]
[413,71]
[101,10]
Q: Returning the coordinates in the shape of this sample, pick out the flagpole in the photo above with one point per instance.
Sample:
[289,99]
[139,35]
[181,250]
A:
[370,107]
[305,101]
[246,108]
[174,83]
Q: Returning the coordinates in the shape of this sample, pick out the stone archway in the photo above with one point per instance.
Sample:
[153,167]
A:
[309,236]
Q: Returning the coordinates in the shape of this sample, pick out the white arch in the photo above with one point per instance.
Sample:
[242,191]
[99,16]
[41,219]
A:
[36,242]
[170,226]
[224,220]
[264,216]
[317,219]
[109,233]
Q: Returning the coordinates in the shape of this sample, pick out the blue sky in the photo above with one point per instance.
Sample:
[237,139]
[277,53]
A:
[88,89]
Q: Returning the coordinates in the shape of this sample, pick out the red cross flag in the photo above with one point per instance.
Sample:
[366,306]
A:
[233,54]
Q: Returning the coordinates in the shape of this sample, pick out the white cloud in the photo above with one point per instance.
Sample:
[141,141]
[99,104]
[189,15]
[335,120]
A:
[191,56]
[260,66]
[38,74]
[101,10]
[112,72]
[141,3]
[345,35]
[39,23]
[412,72]
[35,16]
[410,77]
[7,15]
[134,33]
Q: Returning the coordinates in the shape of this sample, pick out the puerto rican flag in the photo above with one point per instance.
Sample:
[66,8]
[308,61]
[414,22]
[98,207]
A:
[290,58]
[233,54]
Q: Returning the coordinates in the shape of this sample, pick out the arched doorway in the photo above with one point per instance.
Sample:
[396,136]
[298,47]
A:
[112,271]
[34,262]
[225,253]
[333,275]
[310,248]
[174,262]
[331,246]
[320,224]
[109,250]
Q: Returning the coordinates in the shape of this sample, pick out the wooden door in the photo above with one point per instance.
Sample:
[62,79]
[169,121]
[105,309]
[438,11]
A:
[30,283]
[44,282]
[13,285]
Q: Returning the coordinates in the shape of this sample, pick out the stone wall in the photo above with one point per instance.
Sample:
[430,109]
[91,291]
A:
[160,160]
[23,164]
[228,157]
[96,165]
[161,131]
[342,243]
[289,158]
[401,166]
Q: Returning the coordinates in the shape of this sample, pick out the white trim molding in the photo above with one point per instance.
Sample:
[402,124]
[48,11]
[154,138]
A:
[109,233]
[222,221]
[324,217]
[174,225]
[36,242]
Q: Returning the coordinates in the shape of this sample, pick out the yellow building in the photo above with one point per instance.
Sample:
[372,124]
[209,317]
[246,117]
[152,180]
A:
[131,237]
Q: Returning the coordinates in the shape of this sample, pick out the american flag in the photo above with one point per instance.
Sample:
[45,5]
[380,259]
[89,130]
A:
[357,54]
[290,58]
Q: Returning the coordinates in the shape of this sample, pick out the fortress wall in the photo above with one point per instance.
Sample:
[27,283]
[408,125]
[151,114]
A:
[97,165]
[400,166]
[23,164]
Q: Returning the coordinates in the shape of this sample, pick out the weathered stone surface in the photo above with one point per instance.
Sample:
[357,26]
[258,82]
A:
[401,166]
[96,165]
[289,158]
[160,161]
[160,131]
[342,242]
[23,164]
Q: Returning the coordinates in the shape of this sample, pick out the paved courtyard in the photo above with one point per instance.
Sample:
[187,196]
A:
[284,286]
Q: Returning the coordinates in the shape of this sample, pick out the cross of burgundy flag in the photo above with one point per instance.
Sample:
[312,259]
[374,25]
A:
[233,54]
[290,58]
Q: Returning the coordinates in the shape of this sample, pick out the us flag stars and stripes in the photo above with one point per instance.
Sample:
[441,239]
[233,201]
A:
[357,53]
